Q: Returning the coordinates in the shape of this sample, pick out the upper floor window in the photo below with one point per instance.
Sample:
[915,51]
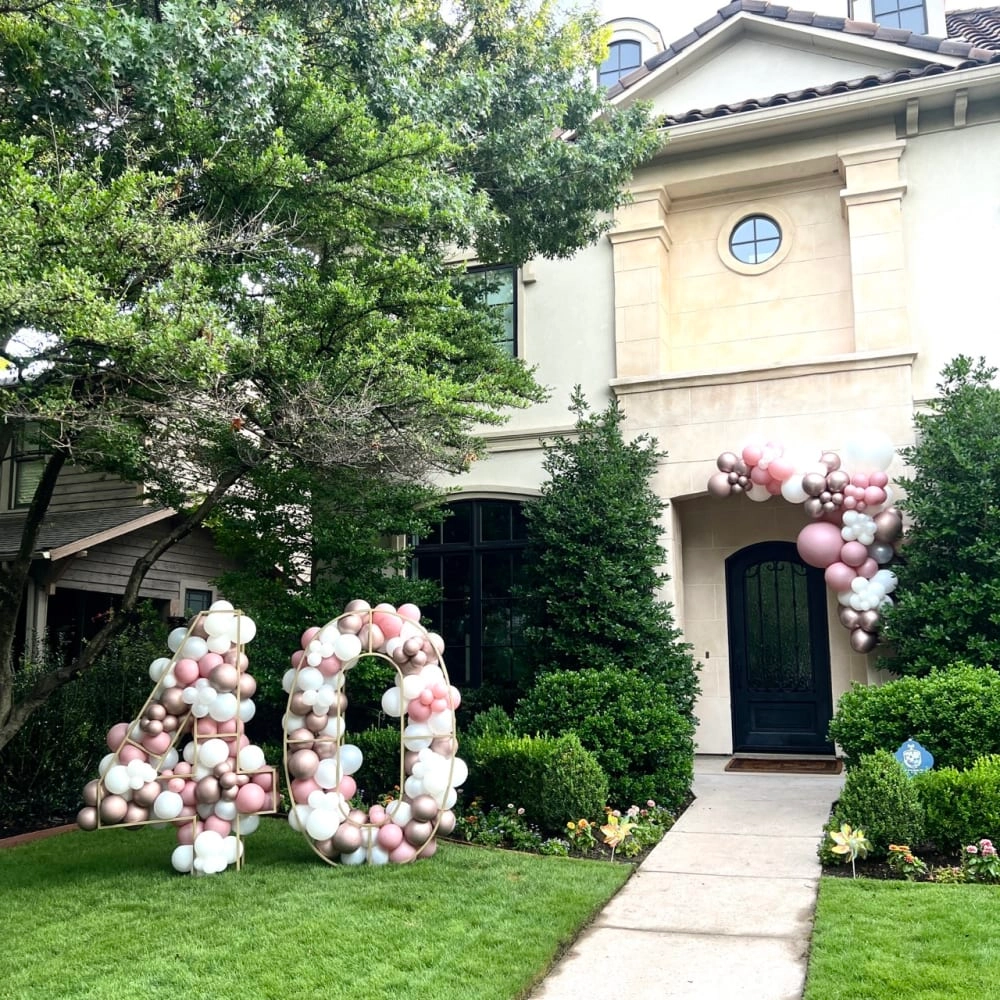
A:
[27,465]
[196,600]
[623,57]
[755,239]
[497,289]
[908,14]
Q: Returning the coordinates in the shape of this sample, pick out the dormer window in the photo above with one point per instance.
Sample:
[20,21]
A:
[623,58]
[27,466]
[907,14]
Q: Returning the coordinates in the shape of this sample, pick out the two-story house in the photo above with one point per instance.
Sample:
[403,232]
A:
[814,240]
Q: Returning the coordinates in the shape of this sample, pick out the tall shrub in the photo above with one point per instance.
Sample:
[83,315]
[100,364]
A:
[594,560]
[949,592]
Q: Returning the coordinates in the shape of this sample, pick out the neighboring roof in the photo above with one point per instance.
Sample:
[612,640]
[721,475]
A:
[64,534]
[981,26]
[978,45]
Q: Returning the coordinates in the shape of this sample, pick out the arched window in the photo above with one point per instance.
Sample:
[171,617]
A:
[476,554]
[623,57]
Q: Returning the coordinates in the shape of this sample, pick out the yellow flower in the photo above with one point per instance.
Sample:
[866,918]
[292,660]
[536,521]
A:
[571,825]
[584,825]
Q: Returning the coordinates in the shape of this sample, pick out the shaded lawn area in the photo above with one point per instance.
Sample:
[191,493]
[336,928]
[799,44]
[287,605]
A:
[878,940]
[103,915]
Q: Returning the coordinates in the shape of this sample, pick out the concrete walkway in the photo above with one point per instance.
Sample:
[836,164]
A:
[722,908]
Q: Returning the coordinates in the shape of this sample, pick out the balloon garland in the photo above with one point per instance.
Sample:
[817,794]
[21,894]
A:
[216,788]
[854,530]
[319,765]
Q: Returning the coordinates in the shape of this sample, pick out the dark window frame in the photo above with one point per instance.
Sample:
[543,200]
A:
[743,248]
[189,608]
[612,69]
[479,274]
[465,663]
[25,456]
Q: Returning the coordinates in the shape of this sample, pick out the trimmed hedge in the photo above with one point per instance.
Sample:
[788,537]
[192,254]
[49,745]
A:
[630,724]
[961,806]
[379,772]
[954,712]
[881,799]
[553,780]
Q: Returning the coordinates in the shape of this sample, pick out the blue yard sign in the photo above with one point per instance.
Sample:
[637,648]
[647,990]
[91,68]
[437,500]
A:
[914,757]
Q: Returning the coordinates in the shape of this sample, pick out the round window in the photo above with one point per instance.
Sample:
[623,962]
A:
[755,239]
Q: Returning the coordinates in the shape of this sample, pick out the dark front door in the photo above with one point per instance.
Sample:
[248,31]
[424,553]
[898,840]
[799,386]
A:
[779,651]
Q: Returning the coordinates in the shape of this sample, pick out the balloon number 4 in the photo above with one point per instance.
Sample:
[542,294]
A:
[215,788]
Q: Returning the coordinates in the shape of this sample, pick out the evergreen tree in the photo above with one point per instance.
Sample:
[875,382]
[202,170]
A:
[594,560]
[948,600]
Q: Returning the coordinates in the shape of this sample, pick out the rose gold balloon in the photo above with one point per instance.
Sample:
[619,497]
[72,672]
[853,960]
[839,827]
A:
[848,617]
[409,759]
[447,823]
[325,749]
[146,794]
[170,724]
[248,686]
[862,641]
[837,481]
[357,606]
[869,620]
[86,818]
[135,814]
[417,832]
[831,460]
[813,483]
[444,745]
[347,839]
[297,704]
[316,723]
[155,711]
[424,809]
[173,701]
[726,462]
[301,738]
[358,817]
[350,624]
[90,792]
[303,763]
[112,809]
[224,677]
[208,790]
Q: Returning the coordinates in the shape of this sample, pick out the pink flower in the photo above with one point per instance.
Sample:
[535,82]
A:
[971,849]
[650,804]
[520,811]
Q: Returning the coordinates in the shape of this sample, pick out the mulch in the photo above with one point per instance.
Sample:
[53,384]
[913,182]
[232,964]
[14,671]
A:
[879,869]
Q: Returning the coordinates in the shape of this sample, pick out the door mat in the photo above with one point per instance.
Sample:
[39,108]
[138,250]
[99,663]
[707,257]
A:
[786,765]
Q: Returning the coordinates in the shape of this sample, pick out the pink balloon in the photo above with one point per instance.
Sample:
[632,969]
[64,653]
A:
[302,788]
[428,850]
[839,576]
[309,635]
[868,568]
[129,753]
[206,726]
[874,495]
[759,476]
[819,544]
[403,854]
[187,832]
[880,479]
[186,671]
[853,553]
[158,744]
[252,798]
[176,785]
[390,625]
[221,826]
[348,787]
[189,793]
[455,695]
[781,469]
[410,612]
[752,454]
[297,659]
[116,734]
[861,479]
[264,780]
[773,486]
[329,666]
[418,711]
[208,663]
[390,837]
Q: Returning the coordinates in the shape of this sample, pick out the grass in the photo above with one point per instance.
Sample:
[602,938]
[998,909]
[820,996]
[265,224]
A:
[883,940]
[103,915]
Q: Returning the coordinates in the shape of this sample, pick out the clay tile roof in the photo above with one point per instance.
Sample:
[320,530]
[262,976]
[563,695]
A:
[974,36]
[981,27]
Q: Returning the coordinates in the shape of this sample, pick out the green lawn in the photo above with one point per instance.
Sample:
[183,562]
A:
[905,941]
[103,915]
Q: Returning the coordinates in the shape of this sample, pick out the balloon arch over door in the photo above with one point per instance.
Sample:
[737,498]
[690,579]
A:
[186,760]
[854,529]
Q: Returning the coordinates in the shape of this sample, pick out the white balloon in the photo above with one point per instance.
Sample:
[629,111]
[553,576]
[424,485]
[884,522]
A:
[288,680]
[400,812]
[357,857]
[350,758]
[183,858]
[225,810]
[213,752]
[242,629]
[223,707]
[233,850]
[106,762]
[417,735]
[248,824]
[328,773]
[221,606]
[170,759]
[218,644]
[758,493]
[378,855]
[347,647]
[175,639]
[322,824]
[392,703]
[117,781]
[194,647]
[158,668]
[792,491]
[336,727]
[247,709]
[218,622]
[412,685]
[167,805]
[460,772]
[250,758]
[413,786]
[309,679]
[442,723]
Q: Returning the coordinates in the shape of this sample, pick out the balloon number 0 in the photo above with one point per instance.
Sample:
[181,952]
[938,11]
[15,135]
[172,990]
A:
[216,787]
[320,766]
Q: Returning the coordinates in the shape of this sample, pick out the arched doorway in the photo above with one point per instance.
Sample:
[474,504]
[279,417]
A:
[779,651]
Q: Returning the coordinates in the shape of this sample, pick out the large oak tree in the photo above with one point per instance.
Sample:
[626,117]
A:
[226,232]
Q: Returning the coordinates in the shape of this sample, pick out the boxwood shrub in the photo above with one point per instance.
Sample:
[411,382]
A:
[961,806]
[629,722]
[954,712]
